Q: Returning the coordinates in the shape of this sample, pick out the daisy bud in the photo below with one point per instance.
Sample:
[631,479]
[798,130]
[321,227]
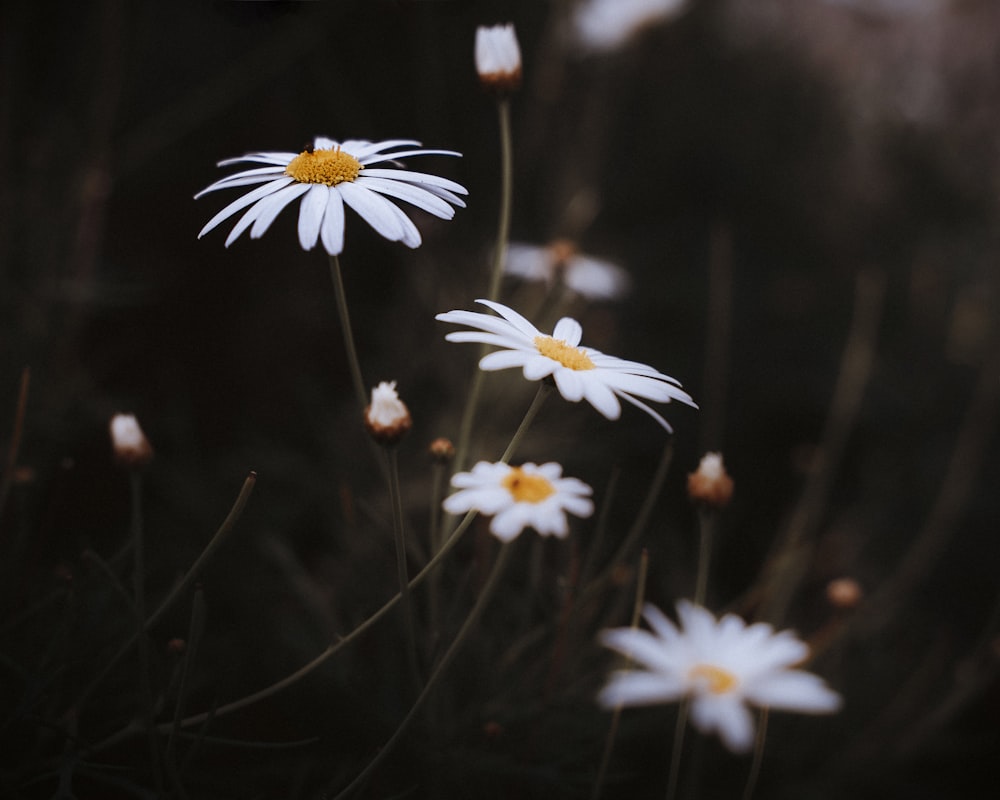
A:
[843,593]
[131,447]
[176,646]
[442,450]
[498,58]
[387,418]
[710,485]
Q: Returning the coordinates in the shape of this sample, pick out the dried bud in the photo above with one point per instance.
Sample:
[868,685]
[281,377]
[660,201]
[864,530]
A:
[442,450]
[387,418]
[844,593]
[131,447]
[710,485]
[498,58]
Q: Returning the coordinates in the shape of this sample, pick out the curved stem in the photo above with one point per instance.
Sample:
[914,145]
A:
[470,622]
[220,536]
[345,326]
[401,568]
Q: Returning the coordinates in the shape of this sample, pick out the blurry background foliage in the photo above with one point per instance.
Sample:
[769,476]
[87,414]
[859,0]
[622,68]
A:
[798,143]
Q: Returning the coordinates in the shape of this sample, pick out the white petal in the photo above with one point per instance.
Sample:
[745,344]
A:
[411,194]
[794,690]
[601,397]
[244,201]
[372,208]
[642,647]
[569,384]
[271,206]
[538,366]
[726,716]
[503,359]
[416,177]
[515,319]
[569,331]
[311,215]
[638,688]
[332,229]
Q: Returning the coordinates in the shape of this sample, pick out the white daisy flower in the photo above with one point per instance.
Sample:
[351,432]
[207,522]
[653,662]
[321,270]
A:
[329,174]
[606,25]
[722,666]
[519,497]
[498,57]
[579,372]
[588,276]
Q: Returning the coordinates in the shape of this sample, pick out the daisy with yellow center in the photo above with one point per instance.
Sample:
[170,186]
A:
[579,372]
[721,665]
[328,175]
[530,495]
[561,262]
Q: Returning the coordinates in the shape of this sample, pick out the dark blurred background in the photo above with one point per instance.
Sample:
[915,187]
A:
[776,175]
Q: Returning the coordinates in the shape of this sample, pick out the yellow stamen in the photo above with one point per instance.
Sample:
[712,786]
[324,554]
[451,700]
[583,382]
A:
[567,355]
[527,488]
[324,166]
[715,679]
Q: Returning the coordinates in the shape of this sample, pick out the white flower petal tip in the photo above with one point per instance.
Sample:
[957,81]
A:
[603,26]
[366,176]
[560,262]
[498,57]
[580,373]
[722,665]
[530,495]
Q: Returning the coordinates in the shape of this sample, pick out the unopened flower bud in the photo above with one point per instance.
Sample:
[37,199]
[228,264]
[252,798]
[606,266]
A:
[843,593]
[131,447]
[387,418]
[710,485]
[442,450]
[176,646]
[498,58]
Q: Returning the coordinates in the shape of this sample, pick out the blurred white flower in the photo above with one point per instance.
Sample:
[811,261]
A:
[579,372]
[129,444]
[590,277]
[519,497]
[498,57]
[387,418]
[605,25]
[329,174]
[722,666]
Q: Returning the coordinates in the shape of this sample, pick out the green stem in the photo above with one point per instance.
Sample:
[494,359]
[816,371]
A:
[609,742]
[706,520]
[678,747]
[345,326]
[492,582]
[758,755]
[496,272]
[221,535]
[529,416]
[401,568]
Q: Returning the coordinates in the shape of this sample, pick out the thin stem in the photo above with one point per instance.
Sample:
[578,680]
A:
[492,582]
[638,525]
[221,535]
[678,747]
[609,742]
[345,326]
[190,654]
[758,755]
[496,272]
[781,578]
[706,533]
[417,579]
[401,568]
[139,601]
[529,416]
[506,196]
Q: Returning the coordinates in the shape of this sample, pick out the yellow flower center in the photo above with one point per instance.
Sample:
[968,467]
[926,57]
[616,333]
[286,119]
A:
[324,166]
[715,679]
[527,488]
[567,355]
